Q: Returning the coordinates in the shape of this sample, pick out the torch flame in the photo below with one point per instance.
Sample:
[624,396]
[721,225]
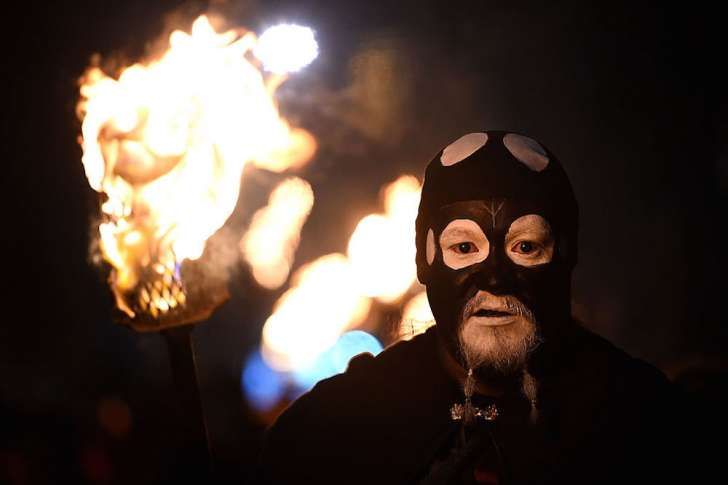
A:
[166,143]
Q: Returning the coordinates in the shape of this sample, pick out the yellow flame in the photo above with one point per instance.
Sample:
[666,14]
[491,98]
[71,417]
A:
[167,142]
[416,317]
[322,303]
[270,243]
[382,248]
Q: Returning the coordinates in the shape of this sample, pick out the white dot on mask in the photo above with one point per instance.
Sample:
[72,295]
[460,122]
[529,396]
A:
[430,247]
[462,148]
[527,151]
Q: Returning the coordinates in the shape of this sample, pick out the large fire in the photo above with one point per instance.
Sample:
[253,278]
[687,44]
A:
[165,144]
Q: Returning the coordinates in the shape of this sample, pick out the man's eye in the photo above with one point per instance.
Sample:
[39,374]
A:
[525,247]
[464,248]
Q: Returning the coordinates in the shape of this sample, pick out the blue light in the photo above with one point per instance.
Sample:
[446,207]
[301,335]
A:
[335,360]
[352,344]
[262,385]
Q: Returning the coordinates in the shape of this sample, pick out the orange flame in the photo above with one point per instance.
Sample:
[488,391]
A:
[166,143]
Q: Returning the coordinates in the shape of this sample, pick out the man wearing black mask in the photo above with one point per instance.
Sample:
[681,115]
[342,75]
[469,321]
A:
[507,388]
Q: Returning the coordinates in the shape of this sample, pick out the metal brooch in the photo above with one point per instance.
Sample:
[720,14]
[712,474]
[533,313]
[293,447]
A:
[467,412]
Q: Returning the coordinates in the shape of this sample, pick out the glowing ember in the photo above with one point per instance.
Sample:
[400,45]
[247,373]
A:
[270,243]
[166,143]
[382,248]
[416,317]
[308,319]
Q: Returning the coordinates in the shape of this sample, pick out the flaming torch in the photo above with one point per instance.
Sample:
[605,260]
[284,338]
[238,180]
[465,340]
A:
[164,144]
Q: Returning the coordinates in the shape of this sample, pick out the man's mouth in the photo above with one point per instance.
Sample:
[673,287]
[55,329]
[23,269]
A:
[483,312]
[492,318]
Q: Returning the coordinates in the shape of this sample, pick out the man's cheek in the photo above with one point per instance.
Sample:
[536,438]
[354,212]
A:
[449,296]
[527,283]
[535,286]
[455,278]
[446,295]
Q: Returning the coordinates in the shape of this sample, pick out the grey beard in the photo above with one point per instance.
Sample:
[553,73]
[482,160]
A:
[499,350]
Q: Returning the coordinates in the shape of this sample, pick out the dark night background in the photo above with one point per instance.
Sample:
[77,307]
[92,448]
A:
[630,96]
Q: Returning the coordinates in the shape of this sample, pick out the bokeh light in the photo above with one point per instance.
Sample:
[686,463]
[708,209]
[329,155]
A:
[322,303]
[263,387]
[286,48]
[114,417]
[416,317]
[336,359]
[271,242]
[382,248]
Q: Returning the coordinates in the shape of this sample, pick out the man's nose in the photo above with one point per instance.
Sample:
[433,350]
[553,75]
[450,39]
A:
[494,276]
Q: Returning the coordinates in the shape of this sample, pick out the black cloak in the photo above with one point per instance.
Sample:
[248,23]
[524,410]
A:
[604,417]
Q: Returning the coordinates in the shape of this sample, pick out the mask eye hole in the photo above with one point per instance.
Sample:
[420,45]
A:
[463,243]
[529,241]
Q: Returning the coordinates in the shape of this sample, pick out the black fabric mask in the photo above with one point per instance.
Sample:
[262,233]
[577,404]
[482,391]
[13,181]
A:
[497,180]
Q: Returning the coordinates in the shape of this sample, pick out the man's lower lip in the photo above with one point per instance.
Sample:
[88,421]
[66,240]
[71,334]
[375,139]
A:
[493,321]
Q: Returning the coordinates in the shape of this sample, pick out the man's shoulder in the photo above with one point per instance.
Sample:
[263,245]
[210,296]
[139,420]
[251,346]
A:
[366,381]
[614,366]
[363,415]
[607,400]
[600,383]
